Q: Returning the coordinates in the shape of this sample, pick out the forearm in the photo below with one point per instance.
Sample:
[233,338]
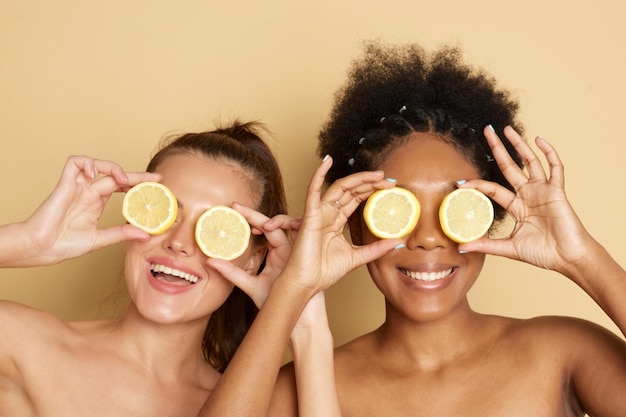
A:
[312,349]
[604,280]
[246,387]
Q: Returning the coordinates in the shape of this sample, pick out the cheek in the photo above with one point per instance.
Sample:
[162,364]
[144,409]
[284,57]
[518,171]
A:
[474,263]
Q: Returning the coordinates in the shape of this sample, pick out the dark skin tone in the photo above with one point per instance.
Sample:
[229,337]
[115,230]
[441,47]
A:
[434,355]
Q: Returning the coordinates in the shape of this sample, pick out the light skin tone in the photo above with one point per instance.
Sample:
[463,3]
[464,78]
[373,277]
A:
[148,362]
[434,355]
[66,224]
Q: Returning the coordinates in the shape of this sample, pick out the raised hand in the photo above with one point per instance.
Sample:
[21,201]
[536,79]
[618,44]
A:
[66,224]
[258,286]
[321,255]
[547,232]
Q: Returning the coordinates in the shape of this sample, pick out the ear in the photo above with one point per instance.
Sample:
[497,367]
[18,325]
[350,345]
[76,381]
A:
[355,223]
[256,259]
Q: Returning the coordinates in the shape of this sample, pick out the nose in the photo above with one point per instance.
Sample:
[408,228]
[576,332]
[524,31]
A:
[180,238]
[427,234]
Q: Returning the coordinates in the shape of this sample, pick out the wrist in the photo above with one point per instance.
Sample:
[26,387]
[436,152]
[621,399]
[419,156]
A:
[306,338]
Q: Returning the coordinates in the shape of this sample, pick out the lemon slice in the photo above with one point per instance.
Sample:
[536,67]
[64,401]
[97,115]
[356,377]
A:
[223,233]
[391,213]
[150,206]
[465,214]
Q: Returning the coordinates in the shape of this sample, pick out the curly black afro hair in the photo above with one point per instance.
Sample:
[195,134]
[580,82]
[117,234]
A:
[394,90]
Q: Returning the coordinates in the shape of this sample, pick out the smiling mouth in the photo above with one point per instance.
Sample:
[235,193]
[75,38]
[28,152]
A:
[171,275]
[427,276]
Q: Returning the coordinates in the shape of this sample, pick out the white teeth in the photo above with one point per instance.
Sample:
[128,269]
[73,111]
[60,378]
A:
[173,272]
[427,276]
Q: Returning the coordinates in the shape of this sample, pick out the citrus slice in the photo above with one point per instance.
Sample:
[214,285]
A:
[150,206]
[465,214]
[222,232]
[391,213]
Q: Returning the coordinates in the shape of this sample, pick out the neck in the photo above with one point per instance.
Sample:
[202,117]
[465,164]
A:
[430,342]
[165,349]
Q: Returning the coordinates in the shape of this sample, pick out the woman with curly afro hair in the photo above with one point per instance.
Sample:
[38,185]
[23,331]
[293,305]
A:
[434,123]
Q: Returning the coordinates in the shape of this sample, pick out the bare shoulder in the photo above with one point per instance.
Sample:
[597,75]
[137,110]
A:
[564,332]
[593,360]
[21,320]
[26,331]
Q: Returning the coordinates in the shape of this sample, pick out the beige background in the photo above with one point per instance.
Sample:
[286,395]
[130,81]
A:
[109,79]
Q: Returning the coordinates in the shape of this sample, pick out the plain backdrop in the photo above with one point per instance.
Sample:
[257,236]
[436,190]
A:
[110,79]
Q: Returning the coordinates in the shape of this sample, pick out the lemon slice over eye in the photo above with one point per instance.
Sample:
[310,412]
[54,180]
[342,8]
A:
[222,232]
[391,213]
[466,214]
[150,206]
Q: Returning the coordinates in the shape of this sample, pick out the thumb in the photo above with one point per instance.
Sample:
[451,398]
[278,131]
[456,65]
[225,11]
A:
[117,234]
[497,247]
[234,274]
[373,251]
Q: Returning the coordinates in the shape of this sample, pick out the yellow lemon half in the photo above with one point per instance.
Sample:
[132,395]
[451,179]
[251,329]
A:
[150,206]
[222,232]
[391,213]
[466,214]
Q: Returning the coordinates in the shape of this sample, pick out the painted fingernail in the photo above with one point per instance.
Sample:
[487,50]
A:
[460,182]
[400,246]
[326,157]
[393,180]
[492,129]
[462,252]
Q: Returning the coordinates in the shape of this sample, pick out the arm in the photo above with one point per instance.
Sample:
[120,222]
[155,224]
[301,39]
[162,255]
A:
[66,224]
[312,348]
[548,233]
[319,257]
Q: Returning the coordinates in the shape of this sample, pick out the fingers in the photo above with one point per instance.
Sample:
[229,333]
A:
[506,164]
[557,171]
[346,194]
[117,234]
[238,277]
[368,253]
[275,236]
[105,176]
[536,172]
[282,221]
[529,158]
[497,247]
[314,190]
[501,195]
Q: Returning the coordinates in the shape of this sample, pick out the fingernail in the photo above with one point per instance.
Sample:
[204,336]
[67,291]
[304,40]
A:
[400,246]
[462,252]
[326,157]
[492,129]
[460,182]
[393,180]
